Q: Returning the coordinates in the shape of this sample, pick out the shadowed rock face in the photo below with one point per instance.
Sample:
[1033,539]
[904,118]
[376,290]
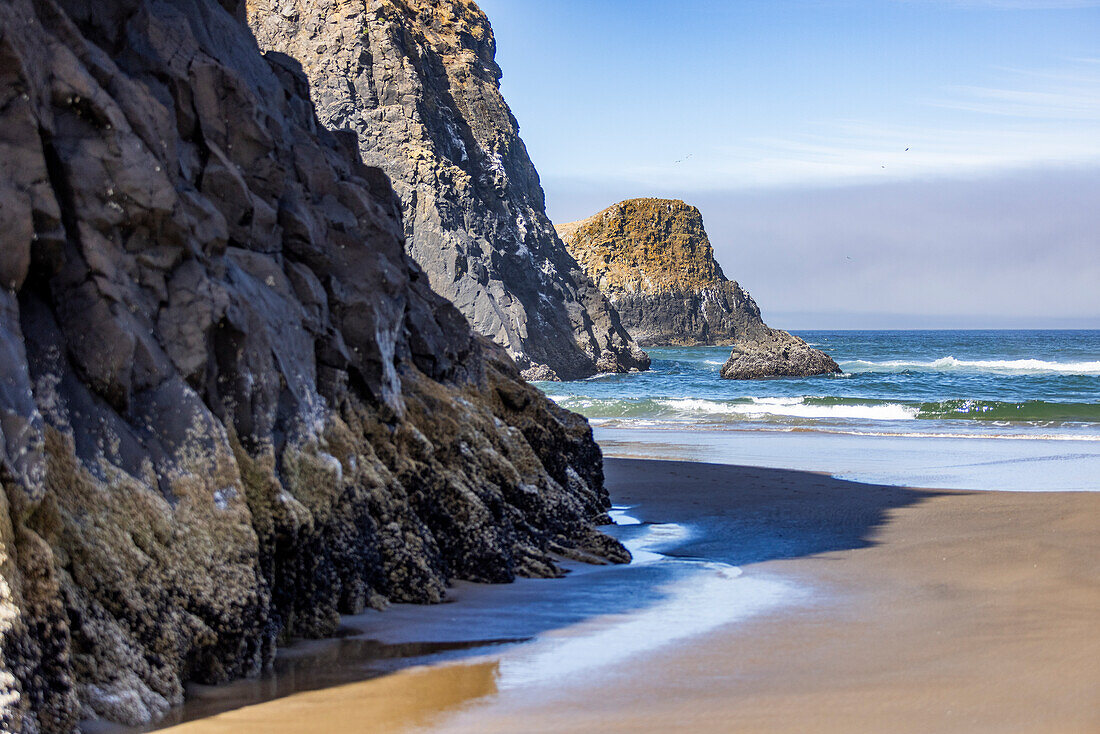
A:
[417,81]
[231,407]
[653,260]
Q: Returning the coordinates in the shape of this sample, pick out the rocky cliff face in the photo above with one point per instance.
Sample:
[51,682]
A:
[231,408]
[654,261]
[417,81]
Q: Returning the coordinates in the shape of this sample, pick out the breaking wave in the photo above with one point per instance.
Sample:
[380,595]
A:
[841,408]
[794,407]
[951,364]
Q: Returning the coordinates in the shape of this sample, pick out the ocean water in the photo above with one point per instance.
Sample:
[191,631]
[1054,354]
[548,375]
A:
[947,409]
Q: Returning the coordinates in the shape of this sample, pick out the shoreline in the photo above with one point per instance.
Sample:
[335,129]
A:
[965,464]
[916,611]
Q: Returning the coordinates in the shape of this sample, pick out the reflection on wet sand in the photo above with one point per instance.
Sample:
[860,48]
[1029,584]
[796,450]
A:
[408,698]
[859,603]
[310,665]
[597,619]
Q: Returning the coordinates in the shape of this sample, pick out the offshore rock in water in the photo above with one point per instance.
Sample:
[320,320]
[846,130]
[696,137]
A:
[654,261]
[231,407]
[417,82]
[774,353]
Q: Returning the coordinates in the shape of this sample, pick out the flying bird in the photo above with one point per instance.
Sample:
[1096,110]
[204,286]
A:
[683,159]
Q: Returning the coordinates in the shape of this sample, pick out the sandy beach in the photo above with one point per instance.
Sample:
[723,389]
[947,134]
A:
[909,611]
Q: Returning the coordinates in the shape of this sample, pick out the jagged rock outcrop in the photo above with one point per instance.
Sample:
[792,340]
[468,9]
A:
[768,352]
[417,81]
[654,261]
[231,408]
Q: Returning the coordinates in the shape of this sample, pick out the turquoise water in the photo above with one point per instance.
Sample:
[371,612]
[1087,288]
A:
[908,405]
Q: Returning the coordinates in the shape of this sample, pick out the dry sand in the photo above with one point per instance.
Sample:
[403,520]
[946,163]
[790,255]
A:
[925,612]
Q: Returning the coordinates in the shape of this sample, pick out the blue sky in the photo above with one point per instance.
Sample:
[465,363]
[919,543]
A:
[764,106]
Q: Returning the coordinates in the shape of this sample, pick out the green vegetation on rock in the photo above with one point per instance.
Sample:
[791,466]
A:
[653,260]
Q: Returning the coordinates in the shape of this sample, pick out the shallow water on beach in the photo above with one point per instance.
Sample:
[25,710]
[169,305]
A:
[537,640]
[853,601]
[698,596]
[413,661]
[960,409]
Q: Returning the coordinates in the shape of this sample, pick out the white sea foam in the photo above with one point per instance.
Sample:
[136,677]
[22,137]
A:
[601,375]
[657,537]
[700,408]
[619,516]
[951,364]
[639,423]
[997,436]
[578,402]
[792,407]
[707,595]
[626,424]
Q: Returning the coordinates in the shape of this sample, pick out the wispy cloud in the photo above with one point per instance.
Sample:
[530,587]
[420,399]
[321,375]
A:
[1017,103]
[1012,4]
[1066,94]
[1031,117]
[853,151]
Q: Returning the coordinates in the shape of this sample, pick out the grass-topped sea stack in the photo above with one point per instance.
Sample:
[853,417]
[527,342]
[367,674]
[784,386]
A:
[653,260]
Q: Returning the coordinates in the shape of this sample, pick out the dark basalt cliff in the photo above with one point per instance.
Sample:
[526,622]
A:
[417,81]
[231,407]
[654,261]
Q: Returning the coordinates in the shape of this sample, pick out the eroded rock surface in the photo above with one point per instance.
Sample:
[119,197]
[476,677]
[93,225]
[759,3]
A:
[771,352]
[417,81]
[231,407]
[653,260]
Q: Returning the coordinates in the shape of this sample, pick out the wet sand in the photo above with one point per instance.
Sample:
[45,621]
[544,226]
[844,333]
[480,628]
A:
[913,611]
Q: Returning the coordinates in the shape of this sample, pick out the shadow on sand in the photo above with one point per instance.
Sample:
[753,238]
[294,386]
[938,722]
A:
[746,514]
[737,515]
